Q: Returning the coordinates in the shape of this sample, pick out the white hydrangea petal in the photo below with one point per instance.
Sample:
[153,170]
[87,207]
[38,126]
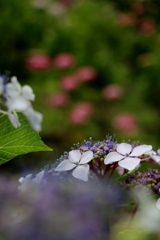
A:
[129,163]
[34,118]
[124,148]
[74,156]
[21,180]
[17,103]
[27,92]
[11,91]
[86,157]
[16,84]
[113,157]
[81,172]
[151,153]
[155,158]
[13,117]
[65,166]
[158,203]
[139,150]
[26,179]
[39,176]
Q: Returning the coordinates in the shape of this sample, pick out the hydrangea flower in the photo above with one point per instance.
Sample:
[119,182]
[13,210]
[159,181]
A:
[78,162]
[18,98]
[127,157]
[28,180]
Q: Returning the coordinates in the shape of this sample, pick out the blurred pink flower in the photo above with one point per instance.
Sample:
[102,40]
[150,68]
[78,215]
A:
[148,26]
[126,122]
[69,83]
[58,100]
[138,8]
[81,112]
[112,92]
[67,2]
[38,62]
[86,73]
[63,60]
[126,19]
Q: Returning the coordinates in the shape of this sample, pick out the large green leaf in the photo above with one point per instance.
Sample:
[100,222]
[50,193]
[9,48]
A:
[14,142]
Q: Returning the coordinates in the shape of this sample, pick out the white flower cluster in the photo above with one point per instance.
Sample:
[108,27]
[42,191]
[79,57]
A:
[28,181]
[124,155]
[129,158]
[18,99]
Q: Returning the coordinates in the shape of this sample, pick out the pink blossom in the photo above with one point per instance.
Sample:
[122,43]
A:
[138,8]
[126,19]
[67,2]
[86,73]
[81,112]
[63,60]
[148,26]
[112,91]
[126,122]
[58,100]
[38,62]
[69,83]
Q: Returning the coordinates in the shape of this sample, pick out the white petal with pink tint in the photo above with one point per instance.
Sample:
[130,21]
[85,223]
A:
[81,172]
[124,148]
[129,163]
[65,166]
[153,155]
[140,150]
[74,156]
[113,157]
[86,157]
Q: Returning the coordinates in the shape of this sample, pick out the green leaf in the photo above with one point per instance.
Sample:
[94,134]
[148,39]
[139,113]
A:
[17,141]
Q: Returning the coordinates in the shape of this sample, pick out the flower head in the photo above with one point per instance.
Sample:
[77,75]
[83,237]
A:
[38,62]
[78,162]
[127,157]
[18,98]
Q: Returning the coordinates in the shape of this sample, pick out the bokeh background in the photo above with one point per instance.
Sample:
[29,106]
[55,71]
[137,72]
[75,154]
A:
[94,66]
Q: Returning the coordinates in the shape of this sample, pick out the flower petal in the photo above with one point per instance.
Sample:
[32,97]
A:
[129,163]
[124,148]
[17,103]
[34,118]
[139,150]
[39,176]
[65,166]
[113,157]
[74,156]
[26,179]
[81,172]
[86,157]
[13,117]
[13,89]
[158,203]
[155,158]
[27,93]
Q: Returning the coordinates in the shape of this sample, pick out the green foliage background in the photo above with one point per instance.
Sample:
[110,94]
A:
[120,39]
